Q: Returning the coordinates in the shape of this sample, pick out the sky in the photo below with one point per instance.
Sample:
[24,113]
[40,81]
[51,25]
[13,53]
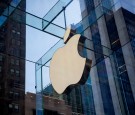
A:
[38,42]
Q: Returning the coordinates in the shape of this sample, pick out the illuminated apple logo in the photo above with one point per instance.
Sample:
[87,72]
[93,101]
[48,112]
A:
[67,67]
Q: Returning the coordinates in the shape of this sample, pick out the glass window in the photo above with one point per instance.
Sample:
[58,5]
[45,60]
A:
[12,71]
[16,84]
[17,62]
[1,57]
[12,61]
[18,43]
[11,94]
[16,107]
[17,52]
[2,46]
[0,69]
[13,31]
[13,41]
[18,33]
[10,106]
[122,69]
[11,51]
[17,72]
[16,95]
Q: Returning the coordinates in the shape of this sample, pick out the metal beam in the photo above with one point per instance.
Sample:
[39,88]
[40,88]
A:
[55,11]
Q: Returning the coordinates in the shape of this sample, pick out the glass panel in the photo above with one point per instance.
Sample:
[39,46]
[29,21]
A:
[45,77]
[59,31]
[50,53]
[31,20]
[38,64]
[2,20]
[56,10]
[9,10]
[39,88]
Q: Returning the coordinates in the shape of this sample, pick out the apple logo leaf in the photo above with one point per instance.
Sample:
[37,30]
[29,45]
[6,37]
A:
[67,67]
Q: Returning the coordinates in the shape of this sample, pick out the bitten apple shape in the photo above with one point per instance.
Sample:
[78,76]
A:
[67,66]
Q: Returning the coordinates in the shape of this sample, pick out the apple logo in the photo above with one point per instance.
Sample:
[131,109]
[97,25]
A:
[67,67]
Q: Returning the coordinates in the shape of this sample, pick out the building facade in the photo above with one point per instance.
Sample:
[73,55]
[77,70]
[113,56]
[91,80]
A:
[12,63]
[51,106]
[112,79]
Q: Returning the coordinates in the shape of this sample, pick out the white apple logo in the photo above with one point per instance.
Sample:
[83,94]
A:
[67,67]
